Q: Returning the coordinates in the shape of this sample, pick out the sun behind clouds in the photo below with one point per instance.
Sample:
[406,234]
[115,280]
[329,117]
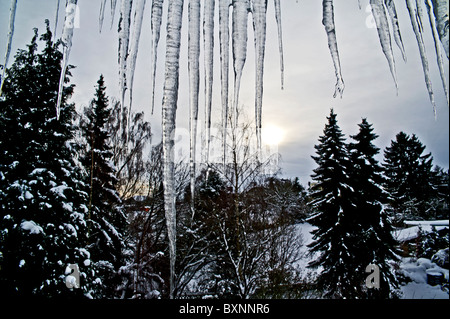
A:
[272,135]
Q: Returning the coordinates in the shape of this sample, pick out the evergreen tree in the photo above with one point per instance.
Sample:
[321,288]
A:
[373,226]
[42,211]
[106,221]
[409,177]
[333,237]
[441,203]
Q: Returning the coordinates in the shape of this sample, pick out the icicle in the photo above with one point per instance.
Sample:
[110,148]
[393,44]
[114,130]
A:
[208,44]
[113,11]
[134,47]
[280,38]
[414,13]
[169,107]
[194,81]
[12,17]
[101,15]
[224,39]
[328,22]
[259,27]
[239,37]
[440,8]
[437,47]
[384,35]
[156,27]
[56,20]
[124,40]
[67,35]
[390,5]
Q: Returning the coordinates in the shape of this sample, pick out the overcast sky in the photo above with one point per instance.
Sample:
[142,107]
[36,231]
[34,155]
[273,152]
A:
[300,109]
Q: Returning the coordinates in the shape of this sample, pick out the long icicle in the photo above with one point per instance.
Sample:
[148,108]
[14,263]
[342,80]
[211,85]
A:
[156,28]
[101,15]
[437,46]
[239,43]
[280,38]
[194,83]
[169,107]
[224,39]
[413,9]
[67,35]
[440,8]
[56,20]
[208,43]
[113,11]
[134,47]
[328,22]
[384,35]
[12,17]
[259,27]
[390,5]
[124,40]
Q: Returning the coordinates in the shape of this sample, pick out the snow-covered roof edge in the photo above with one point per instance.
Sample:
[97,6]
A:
[443,222]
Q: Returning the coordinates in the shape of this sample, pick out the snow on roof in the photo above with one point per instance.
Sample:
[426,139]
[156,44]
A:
[410,233]
[443,222]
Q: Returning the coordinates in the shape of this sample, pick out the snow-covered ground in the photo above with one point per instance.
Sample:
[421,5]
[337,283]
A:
[414,269]
[305,230]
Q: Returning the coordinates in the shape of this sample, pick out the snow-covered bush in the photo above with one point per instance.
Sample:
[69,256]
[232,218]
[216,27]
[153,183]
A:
[440,258]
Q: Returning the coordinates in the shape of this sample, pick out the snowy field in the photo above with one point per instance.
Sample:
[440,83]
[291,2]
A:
[414,269]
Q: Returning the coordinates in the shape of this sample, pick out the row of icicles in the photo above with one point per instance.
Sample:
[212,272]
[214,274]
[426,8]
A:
[129,35]
[130,24]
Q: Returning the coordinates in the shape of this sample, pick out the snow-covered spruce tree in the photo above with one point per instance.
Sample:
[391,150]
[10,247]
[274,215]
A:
[441,204]
[373,227]
[106,221]
[42,210]
[334,238]
[409,178]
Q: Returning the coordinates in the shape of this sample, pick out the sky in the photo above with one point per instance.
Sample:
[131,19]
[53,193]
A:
[299,110]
